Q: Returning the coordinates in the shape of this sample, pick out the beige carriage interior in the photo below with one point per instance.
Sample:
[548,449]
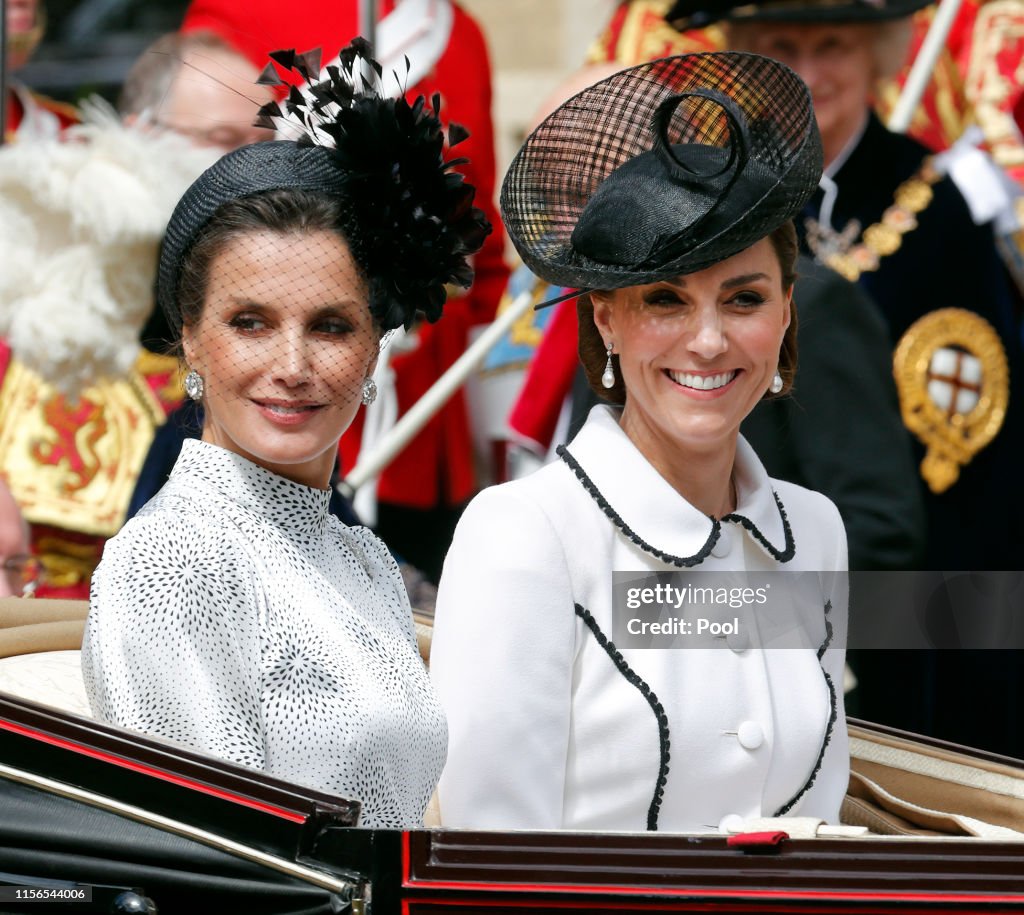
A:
[899,786]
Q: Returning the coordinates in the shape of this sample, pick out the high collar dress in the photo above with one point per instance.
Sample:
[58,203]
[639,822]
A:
[236,616]
[552,726]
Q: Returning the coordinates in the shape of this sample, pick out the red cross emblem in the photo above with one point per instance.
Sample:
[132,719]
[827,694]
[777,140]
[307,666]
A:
[954,380]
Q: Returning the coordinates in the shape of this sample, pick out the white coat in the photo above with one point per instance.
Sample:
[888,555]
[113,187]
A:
[550,727]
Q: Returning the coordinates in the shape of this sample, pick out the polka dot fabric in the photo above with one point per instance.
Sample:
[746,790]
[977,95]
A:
[236,616]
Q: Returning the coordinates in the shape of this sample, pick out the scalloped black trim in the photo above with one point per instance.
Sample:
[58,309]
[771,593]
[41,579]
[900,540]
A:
[834,714]
[652,700]
[828,631]
[789,552]
[595,494]
[716,527]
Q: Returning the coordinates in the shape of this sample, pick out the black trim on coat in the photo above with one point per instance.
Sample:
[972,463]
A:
[833,715]
[785,555]
[652,700]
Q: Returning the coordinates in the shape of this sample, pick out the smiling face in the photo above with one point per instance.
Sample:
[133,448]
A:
[698,352]
[284,343]
[837,62]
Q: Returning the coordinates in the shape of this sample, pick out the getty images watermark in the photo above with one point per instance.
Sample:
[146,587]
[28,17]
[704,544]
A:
[719,609]
[781,609]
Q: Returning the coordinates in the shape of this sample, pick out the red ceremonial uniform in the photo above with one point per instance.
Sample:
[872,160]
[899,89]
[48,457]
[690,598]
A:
[72,464]
[975,80]
[436,469]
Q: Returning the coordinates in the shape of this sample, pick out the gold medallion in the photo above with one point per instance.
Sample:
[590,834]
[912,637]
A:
[850,256]
[953,383]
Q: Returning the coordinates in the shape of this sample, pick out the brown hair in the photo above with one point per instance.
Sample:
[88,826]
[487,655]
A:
[593,354]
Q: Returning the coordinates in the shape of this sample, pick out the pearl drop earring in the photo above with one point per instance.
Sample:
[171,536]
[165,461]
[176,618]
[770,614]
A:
[608,378]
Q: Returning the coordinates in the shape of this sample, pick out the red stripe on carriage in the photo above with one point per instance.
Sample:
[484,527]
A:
[153,772]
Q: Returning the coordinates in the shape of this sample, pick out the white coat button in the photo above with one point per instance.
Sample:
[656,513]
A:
[750,735]
[723,545]
[730,823]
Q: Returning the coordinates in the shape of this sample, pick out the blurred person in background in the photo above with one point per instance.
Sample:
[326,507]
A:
[18,578]
[198,86]
[29,115]
[419,496]
[77,412]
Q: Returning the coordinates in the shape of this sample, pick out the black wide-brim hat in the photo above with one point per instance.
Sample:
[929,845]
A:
[662,170]
[695,14]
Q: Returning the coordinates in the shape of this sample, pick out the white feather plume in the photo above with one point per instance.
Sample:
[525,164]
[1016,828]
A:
[80,226]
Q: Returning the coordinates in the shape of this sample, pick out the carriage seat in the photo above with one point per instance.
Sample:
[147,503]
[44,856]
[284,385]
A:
[40,650]
[40,658]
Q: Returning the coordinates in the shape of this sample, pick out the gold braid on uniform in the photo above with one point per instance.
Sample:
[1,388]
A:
[850,258]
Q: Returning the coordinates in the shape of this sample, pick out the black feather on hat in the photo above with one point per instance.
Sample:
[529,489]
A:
[662,170]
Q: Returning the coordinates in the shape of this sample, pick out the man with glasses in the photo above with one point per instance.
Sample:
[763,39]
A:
[198,86]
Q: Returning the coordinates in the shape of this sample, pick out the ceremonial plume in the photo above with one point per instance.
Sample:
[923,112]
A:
[80,223]
[416,211]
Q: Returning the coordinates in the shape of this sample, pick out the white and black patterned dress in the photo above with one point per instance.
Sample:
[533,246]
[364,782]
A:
[236,616]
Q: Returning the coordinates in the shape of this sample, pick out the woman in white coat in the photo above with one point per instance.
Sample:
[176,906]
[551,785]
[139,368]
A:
[665,193]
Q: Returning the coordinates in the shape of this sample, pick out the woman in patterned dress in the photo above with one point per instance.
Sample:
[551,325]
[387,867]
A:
[235,614]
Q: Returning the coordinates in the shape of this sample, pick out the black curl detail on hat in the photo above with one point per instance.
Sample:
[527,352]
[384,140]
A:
[662,170]
[385,157]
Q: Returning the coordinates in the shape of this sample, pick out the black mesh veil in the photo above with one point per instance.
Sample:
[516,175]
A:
[248,171]
[662,170]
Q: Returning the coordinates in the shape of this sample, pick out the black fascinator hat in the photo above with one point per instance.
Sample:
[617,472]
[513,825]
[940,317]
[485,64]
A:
[662,170]
[384,157]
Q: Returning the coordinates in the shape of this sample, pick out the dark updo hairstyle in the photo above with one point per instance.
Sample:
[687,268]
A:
[283,210]
[593,354]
